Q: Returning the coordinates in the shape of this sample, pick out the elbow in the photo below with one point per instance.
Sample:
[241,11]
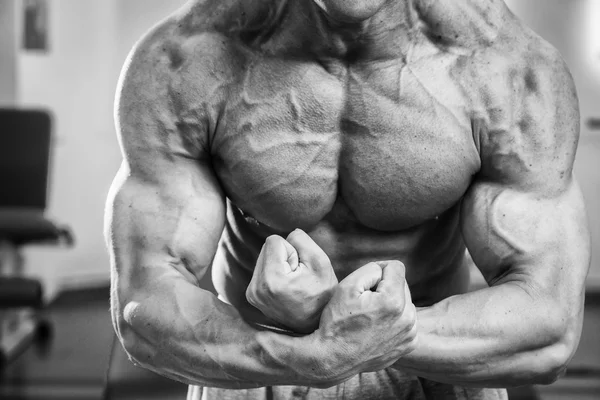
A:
[553,366]
[554,358]
[131,342]
[132,345]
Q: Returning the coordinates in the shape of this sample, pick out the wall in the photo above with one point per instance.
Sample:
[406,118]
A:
[8,42]
[573,27]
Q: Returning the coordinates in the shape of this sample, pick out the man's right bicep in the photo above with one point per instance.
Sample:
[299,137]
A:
[162,231]
[166,204]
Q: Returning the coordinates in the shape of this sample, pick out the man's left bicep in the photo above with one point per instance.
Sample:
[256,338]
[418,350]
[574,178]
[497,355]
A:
[540,243]
[523,219]
[513,234]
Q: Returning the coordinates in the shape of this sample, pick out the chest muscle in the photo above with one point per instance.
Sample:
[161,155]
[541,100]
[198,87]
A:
[293,138]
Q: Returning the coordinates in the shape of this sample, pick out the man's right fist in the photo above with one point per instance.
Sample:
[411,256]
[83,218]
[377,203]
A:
[292,282]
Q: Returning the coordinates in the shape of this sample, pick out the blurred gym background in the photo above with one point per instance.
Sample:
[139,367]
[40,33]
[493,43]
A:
[64,57]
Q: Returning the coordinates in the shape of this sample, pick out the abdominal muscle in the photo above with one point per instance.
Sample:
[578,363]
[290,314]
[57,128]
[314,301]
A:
[433,253]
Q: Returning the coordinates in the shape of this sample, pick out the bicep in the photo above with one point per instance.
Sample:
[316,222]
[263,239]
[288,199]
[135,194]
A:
[166,209]
[537,241]
[523,219]
[165,228]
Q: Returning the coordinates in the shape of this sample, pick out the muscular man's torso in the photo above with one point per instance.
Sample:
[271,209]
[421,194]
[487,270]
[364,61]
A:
[370,154]
[372,164]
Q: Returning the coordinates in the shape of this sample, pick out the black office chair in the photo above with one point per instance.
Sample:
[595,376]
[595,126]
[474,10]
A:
[25,140]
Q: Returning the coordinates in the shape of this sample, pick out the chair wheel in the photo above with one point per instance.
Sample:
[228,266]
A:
[43,331]
[42,342]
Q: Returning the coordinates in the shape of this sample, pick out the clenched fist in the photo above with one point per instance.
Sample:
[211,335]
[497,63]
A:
[370,321]
[293,281]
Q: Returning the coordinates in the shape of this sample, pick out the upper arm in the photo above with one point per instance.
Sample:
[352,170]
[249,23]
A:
[523,219]
[165,211]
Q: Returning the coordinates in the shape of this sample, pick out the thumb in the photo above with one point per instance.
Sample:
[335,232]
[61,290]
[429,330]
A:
[308,251]
[393,282]
[363,279]
[277,251]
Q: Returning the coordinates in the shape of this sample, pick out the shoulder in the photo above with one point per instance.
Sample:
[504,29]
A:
[170,54]
[201,38]
[520,66]
[528,111]
[522,99]
[466,24]
[174,81]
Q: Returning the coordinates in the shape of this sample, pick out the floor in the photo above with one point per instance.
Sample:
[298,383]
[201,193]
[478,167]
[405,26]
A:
[74,364]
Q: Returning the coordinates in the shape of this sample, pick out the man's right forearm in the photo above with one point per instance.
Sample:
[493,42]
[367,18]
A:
[187,334]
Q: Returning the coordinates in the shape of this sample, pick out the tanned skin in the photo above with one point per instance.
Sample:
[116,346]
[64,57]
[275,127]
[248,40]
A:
[386,137]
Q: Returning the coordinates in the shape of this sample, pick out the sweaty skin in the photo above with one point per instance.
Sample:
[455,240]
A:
[396,134]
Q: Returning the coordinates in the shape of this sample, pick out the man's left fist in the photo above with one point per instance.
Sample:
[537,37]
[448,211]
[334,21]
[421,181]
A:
[293,281]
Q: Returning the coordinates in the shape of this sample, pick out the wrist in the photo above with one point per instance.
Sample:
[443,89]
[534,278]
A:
[321,359]
[303,358]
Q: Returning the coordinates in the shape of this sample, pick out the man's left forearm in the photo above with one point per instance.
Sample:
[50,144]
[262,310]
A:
[501,336]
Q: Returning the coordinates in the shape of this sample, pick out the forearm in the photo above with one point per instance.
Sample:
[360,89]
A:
[496,337]
[189,335]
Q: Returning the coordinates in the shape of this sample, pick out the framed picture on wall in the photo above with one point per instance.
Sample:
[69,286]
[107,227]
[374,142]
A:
[35,25]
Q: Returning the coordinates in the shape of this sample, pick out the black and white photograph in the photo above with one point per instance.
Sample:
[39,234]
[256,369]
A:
[300,199]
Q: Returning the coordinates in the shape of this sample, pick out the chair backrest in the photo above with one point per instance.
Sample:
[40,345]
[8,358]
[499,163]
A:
[25,137]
